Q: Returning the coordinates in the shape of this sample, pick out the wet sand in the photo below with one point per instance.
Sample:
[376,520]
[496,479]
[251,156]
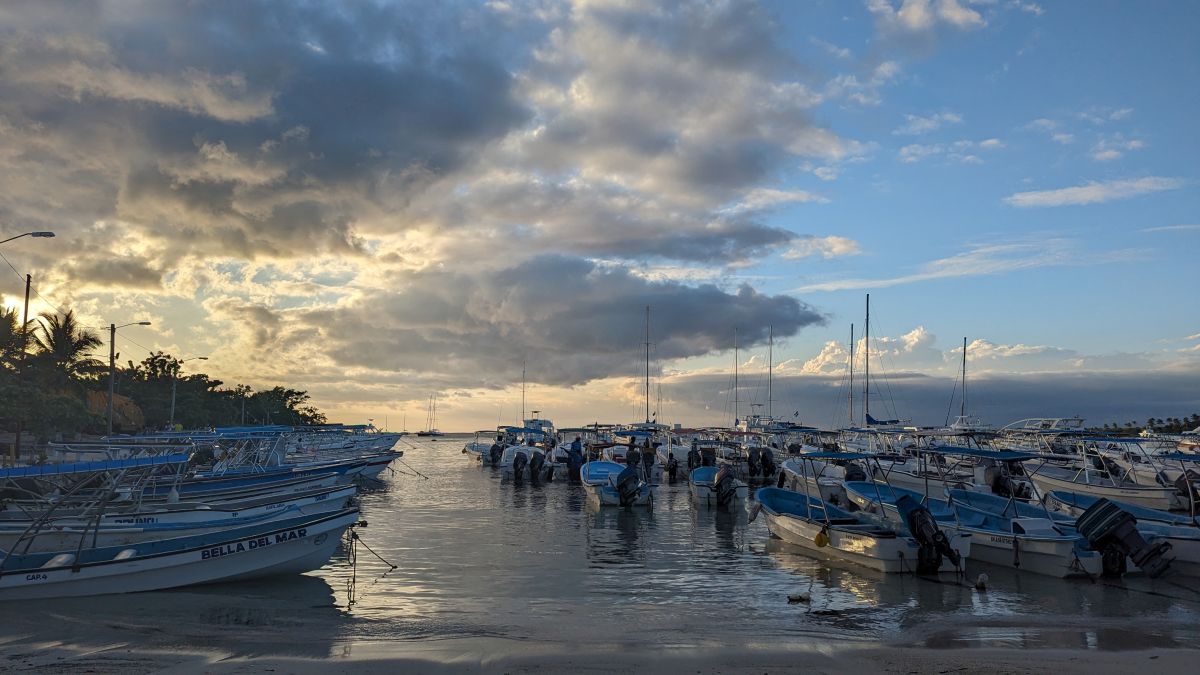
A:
[472,655]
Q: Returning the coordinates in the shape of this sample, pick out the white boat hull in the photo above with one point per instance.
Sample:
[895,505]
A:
[1163,499]
[703,494]
[292,551]
[892,555]
[605,495]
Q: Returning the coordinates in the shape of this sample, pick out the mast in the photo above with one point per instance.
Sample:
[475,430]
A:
[735,379]
[963,410]
[770,368]
[522,392]
[851,374]
[647,343]
[867,364]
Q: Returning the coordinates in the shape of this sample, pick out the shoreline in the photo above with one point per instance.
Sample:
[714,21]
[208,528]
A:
[472,656]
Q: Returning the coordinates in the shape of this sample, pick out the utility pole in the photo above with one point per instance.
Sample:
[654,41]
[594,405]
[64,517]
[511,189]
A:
[112,372]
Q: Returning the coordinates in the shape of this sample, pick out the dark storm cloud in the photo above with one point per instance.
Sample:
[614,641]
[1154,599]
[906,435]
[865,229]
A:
[1100,397]
[331,104]
[569,319]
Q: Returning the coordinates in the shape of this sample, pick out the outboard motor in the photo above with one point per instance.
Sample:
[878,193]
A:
[495,452]
[574,463]
[724,487]
[537,462]
[520,461]
[1187,486]
[933,544]
[708,457]
[672,467]
[752,461]
[1113,532]
[648,464]
[628,485]
[855,472]
[768,463]
[693,458]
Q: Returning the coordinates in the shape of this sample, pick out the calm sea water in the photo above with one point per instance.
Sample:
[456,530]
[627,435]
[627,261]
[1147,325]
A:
[533,567]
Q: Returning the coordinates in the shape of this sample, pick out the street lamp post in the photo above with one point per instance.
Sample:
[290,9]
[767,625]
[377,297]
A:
[112,364]
[16,447]
[174,381]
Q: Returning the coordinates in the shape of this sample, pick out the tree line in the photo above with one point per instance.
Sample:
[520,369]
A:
[1162,425]
[49,373]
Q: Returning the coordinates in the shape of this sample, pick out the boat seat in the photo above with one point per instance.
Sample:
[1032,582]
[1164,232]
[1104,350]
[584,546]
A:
[60,560]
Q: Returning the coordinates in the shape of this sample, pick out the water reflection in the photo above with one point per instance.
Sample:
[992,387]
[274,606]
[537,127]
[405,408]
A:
[481,556]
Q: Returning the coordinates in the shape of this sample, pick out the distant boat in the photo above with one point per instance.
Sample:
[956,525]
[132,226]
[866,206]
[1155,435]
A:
[431,420]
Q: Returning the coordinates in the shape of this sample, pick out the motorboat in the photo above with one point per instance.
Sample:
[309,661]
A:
[614,484]
[713,486]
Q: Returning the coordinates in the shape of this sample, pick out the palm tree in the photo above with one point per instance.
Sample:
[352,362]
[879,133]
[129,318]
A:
[67,345]
[10,334]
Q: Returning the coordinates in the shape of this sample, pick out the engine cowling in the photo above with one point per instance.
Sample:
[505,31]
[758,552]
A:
[628,485]
[1113,532]
[724,486]
[753,458]
[536,463]
[932,542]
[768,463]
[520,461]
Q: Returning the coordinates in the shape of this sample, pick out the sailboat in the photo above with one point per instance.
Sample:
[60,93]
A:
[431,419]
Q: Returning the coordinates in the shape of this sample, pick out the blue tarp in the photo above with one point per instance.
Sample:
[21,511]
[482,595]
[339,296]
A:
[999,455]
[93,467]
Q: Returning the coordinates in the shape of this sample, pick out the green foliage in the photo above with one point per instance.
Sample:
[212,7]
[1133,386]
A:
[46,391]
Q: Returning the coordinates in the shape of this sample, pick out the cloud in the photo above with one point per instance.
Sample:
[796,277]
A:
[832,49]
[1114,146]
[921,17]
[1063,139]
[571,320]
[1172,228]
[1093,192]
[764,198]
[915,125]
[981,260]
[863,91]
[831,246]
[961,151]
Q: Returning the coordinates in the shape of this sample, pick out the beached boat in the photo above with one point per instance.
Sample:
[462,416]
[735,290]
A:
[712,486]
[613,484]
[823,528]
[289,546]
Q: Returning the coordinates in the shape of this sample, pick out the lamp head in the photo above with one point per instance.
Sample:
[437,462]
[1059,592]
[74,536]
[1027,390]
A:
[41,234]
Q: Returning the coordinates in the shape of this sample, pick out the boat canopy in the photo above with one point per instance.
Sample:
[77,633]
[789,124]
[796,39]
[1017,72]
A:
[93,467]
[835,455]
[998,455]
[1179,457]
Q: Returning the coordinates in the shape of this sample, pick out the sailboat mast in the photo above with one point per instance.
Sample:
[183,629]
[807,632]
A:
[867,364]
[647,364]
[851,374]
[963,410]
[735,379]
[522,393]
[770,369]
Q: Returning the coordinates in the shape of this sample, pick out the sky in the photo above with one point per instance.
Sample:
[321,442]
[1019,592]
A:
[382,201]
